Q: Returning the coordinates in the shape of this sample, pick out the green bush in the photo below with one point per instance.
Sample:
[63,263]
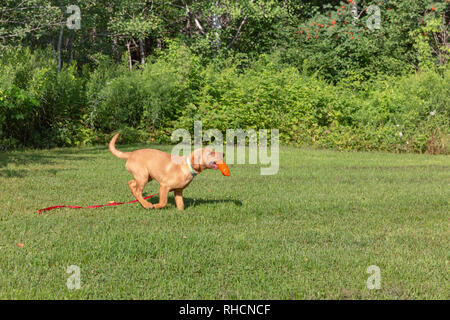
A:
[17,108]
[336,46]
[38,103]
[407,113]
[146,98]
[415,108]
[41,107]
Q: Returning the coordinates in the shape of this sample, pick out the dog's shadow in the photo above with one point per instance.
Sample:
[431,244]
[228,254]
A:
[190,202]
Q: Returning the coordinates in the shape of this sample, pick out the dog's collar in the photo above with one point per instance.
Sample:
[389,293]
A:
[191,169]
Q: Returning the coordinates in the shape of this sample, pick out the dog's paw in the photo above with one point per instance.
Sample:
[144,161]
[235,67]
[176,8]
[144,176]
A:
[149,206]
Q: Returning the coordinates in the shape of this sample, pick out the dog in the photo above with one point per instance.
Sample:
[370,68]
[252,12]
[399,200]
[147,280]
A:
[172,172]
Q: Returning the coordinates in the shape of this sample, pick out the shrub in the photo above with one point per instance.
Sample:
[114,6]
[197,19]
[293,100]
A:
[406,113]
[37,101]
[146,98]
[40,107]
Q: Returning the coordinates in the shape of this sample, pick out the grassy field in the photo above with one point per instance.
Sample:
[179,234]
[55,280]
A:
[308,232]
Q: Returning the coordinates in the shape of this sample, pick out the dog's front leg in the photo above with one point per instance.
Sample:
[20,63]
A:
[163,194]
[179,199]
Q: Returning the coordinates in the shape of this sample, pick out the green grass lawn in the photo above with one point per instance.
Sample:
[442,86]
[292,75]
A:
[308,232]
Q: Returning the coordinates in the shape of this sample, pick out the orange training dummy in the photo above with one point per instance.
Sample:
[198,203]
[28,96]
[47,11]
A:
[223,168]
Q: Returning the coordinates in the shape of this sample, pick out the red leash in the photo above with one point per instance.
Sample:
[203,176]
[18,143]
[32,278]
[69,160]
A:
[96,206]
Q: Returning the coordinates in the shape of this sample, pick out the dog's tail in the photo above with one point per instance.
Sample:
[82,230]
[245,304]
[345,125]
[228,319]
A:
[114,151]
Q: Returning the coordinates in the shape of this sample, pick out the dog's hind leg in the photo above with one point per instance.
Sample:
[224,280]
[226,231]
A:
[137,186]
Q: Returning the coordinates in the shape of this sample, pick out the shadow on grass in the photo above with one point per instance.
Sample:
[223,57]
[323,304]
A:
[190,202]
[24,158]
[43,158]
[52,156]
[21,173]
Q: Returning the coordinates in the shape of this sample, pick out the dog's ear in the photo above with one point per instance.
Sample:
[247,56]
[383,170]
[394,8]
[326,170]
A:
[197,157]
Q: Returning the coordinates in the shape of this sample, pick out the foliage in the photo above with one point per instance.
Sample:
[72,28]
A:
[397,114]
[319,71]
[345,43]
[38,104]
[145,98]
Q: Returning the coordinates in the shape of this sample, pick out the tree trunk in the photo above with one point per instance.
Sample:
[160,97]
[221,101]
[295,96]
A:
[216,26]
[188,22]
[142,52]
[159,44]
[61,31]
[238,32]
[130,63]
[115,49]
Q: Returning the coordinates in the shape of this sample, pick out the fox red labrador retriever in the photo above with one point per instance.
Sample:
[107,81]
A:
[173,172]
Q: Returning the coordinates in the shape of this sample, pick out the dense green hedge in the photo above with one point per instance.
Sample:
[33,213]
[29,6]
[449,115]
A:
[40,107]
[409,113]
